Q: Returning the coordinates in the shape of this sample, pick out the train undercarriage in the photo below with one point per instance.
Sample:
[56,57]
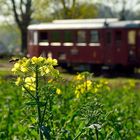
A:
[100,69]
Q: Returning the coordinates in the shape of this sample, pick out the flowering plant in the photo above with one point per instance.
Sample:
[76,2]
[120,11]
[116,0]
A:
[57,113]
[29,74]
[86,85]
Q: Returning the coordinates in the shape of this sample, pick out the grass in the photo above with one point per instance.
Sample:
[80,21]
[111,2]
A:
[113,82]
[5,72]
[119,118]
[5,65]
[99,112]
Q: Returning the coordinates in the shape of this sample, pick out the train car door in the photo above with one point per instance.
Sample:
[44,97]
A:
[115,49]
[120,47]
[132,48]
[108,47]
[138,46]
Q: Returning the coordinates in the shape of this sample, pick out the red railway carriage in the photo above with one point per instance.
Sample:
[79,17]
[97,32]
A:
[88,43]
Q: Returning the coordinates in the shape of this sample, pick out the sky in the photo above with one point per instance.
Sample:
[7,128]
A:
[8,19]
[130,4]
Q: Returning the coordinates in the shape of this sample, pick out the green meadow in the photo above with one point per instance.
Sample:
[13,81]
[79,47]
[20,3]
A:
[103,109]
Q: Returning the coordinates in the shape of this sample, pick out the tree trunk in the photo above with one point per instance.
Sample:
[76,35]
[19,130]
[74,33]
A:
[24,41]
[22,13]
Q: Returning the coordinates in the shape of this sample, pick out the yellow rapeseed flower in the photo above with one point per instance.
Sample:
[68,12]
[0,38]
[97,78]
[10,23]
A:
[18,81]
[78,95]
[37,60]
[83,87]
[16,67]
[58,91]
[44,70]
[50,81]
[80,77]
[51,61]
[30,87]
[88,84]
[132,83]
[24,69]
[30,83]
[40,59]
[34,60]
[27,68]
[29,79]
[33,74]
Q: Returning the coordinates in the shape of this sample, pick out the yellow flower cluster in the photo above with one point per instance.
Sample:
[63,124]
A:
[84,84]
[28,68]
[100,86]
[30,83]
[130,85]
[58,91]
[83,87]
[80,77]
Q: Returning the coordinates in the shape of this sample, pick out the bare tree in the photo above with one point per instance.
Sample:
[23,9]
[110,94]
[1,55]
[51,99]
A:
[22,11]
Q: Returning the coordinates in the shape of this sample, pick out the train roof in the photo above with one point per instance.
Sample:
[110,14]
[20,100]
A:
[85,24]
[75,21]
[125,24]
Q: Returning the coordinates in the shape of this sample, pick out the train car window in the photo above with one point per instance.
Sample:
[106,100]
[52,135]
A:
[94,37]
[68,38]
[108,38]
[132,37]
[43,36]
[55,38]
[33,37]
[118,37]
[81,38]
[43,39]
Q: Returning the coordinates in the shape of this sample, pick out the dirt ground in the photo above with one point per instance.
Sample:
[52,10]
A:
[5,65]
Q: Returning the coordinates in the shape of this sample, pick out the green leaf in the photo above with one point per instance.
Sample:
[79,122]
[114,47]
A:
[31,103]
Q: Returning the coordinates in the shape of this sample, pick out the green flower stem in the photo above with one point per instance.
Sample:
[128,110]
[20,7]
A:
[8,120]
[86,85]
[44,111]
[50,110]
[38,106]
[29,92]
[79,134]
[96,132]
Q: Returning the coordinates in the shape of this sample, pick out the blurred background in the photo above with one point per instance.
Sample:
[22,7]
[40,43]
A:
[16,15]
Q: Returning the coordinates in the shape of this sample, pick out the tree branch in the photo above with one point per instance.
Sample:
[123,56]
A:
[15,13]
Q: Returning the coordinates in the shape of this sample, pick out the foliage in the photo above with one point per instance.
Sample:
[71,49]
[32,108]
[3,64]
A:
[94,111]
[10,33]
[63,9]
[41,12]
[122,9]
[73,10]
